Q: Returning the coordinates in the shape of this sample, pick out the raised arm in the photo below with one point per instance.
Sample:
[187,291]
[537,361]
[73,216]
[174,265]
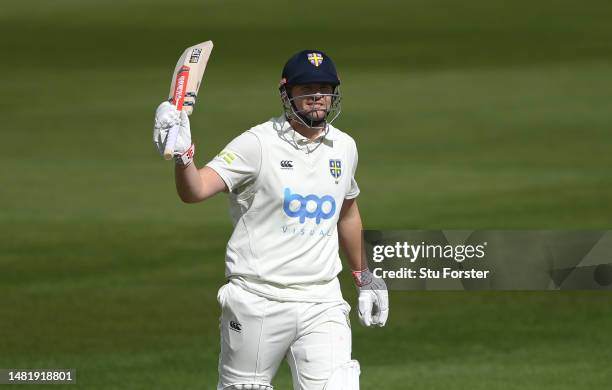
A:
[195,185]
[192,184]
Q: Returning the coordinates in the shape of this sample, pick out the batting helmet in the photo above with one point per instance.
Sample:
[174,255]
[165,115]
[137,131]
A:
[310,67]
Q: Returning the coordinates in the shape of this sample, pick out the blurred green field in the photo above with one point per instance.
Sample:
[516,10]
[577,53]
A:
[468,115]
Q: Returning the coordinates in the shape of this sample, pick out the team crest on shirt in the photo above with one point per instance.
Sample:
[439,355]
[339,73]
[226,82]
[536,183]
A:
[315,58]
[335,168]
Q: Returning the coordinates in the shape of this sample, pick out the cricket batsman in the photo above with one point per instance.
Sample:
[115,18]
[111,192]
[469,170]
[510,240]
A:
[292,193]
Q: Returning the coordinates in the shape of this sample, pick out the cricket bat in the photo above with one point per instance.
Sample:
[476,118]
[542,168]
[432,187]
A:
[185,84]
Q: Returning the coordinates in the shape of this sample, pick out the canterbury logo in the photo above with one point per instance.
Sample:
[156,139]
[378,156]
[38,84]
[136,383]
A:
[235,326]
[286,164]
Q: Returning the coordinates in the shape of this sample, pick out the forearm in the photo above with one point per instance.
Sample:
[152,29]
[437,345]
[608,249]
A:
[350,234]
[188,183]
[195,185]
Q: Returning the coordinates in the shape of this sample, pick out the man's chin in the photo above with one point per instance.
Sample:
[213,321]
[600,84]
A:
[319,116]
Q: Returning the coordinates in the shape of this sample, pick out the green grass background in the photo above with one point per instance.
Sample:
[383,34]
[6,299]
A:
[472,115]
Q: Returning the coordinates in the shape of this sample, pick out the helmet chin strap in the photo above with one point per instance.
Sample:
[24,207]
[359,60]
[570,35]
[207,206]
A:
[313,124]
[304,119]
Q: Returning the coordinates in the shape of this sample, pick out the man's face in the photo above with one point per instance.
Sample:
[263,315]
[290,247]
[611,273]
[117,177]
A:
[318,102]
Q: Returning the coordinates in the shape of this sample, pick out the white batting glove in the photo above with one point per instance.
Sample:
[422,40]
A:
[167,116]
[373,299]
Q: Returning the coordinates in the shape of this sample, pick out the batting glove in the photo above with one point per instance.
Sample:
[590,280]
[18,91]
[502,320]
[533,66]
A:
[167,116]
[373,299]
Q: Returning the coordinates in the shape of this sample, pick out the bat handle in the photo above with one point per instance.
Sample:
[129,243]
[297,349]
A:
[171,141]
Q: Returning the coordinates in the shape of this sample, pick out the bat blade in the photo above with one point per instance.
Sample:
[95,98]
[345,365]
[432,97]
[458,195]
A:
[185,85]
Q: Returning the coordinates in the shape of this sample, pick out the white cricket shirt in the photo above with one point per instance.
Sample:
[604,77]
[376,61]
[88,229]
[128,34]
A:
[286,193]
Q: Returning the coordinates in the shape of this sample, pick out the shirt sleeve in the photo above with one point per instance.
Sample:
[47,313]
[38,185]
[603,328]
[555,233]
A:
[239,162]
[354,188]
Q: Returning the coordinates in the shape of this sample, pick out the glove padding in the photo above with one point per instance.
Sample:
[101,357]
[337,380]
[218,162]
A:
[373,302]
[167,116]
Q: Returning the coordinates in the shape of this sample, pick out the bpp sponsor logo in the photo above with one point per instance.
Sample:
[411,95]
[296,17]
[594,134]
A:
[310,206]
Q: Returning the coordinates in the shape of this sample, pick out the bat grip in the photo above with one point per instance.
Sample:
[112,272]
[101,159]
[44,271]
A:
[171,141]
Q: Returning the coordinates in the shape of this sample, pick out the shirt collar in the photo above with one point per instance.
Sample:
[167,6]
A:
[286,132]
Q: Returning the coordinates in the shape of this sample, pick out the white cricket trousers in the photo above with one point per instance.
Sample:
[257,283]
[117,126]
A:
[257,333]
